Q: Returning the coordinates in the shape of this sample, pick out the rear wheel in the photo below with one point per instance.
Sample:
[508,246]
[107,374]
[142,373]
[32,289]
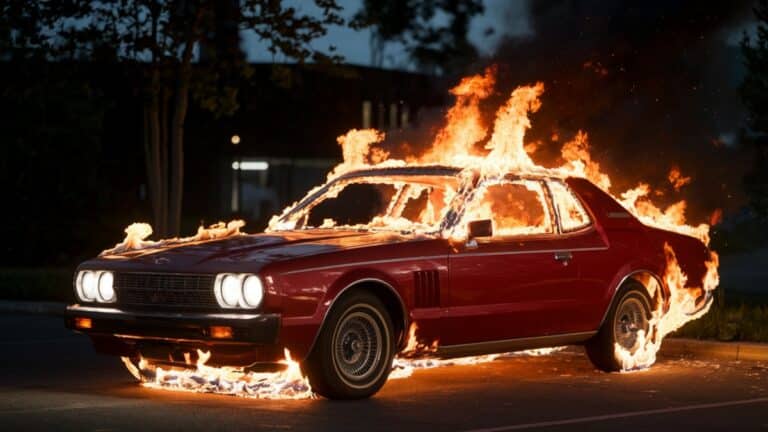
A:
[352,356]
[628,316]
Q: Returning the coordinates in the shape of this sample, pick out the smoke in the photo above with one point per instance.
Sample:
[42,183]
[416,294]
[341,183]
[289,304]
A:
[655,85]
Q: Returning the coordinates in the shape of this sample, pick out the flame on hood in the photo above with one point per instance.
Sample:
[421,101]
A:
[136,235]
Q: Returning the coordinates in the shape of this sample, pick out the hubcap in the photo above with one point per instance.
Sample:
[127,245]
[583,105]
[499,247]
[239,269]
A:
[630,319]
[357,346]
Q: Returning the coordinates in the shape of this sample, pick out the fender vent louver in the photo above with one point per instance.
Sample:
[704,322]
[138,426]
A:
[426,289]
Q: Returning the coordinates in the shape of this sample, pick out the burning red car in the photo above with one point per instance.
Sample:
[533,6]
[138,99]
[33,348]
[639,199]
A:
[483,264]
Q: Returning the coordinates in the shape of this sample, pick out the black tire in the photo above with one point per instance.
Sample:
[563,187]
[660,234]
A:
[629,312]
[352,356]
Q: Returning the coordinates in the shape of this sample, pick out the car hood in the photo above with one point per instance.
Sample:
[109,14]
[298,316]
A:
[248,252]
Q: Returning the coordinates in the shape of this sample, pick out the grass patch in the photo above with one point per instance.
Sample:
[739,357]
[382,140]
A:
[38,284]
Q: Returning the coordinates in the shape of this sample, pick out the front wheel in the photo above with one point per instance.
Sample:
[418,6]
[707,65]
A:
[629,315]
[352,356]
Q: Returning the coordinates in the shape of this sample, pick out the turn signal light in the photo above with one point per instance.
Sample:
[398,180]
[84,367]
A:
[83,323]
[221,332]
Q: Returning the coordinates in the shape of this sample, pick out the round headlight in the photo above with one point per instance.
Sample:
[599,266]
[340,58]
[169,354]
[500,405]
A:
[79,286]
[106,287]
[253,291]
[230,290]
[89,288]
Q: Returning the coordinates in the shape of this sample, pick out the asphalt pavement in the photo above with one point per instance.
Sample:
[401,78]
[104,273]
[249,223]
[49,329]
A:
[51,379]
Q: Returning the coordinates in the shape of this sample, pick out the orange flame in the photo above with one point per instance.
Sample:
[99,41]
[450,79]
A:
[677,179]
[456,145]
[289,383]
[357,151]
[685,304]
[464,126]
[137,233]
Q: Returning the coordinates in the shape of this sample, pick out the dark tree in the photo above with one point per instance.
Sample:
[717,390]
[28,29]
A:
[754,91]
[389,21]
[49,129]
[433,46]
[183,49]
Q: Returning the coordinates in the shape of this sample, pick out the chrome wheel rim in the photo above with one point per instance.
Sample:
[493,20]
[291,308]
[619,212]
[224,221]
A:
[357,348]
[630,319]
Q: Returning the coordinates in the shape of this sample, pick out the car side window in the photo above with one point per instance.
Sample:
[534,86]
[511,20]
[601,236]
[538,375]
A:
[515,208]
[357,203]
[573,217]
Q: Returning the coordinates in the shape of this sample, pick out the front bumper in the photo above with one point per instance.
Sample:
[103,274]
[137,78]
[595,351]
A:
[258,329]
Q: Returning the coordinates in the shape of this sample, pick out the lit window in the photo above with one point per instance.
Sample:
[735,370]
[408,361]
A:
[250,165]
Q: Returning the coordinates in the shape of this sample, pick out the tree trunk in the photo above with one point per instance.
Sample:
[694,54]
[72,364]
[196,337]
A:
[153,157]
[164,107]
[181,103]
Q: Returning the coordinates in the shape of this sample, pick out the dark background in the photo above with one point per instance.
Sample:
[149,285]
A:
[655,84]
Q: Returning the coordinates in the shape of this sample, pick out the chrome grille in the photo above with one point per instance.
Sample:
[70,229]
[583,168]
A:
[165,290]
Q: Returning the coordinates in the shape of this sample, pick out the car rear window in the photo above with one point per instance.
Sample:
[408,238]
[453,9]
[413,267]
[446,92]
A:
[573,217]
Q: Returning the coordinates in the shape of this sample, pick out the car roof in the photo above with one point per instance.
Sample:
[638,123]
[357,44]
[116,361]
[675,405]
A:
[436,170]
[415,170]
[403,170]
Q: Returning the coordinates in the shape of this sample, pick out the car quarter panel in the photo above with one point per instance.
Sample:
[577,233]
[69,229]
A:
[634,247]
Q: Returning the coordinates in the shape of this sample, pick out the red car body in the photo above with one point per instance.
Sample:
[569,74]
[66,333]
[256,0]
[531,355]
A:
[492,296]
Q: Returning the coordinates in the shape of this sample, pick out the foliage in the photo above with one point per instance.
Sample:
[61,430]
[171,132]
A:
[432,47]
[754,91]
[180,49]
[53,107]
[746,322]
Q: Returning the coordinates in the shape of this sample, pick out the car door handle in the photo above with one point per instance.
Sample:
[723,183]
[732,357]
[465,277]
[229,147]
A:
[564,257]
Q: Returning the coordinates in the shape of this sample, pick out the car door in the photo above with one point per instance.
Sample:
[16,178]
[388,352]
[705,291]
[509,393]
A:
[515,283]
[590,254]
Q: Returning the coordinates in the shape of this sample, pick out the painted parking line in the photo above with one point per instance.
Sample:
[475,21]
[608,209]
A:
[606,417]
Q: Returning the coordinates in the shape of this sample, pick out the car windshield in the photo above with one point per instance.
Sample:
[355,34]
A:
[402,203]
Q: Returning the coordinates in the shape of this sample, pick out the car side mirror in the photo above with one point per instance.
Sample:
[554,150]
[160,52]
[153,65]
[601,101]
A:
[480,228]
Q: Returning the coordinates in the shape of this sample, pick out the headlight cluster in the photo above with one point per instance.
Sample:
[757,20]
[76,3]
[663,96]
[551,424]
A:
[238,291]
[95,286]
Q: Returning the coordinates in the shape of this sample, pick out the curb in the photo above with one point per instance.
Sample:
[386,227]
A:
[715,350]
[33,307]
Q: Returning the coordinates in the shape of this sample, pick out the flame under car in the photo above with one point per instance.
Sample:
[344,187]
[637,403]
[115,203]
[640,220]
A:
[482,265]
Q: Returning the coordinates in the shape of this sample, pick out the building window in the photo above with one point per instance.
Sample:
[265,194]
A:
[393,116]
[405,116]
[380,116]
[367,112]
